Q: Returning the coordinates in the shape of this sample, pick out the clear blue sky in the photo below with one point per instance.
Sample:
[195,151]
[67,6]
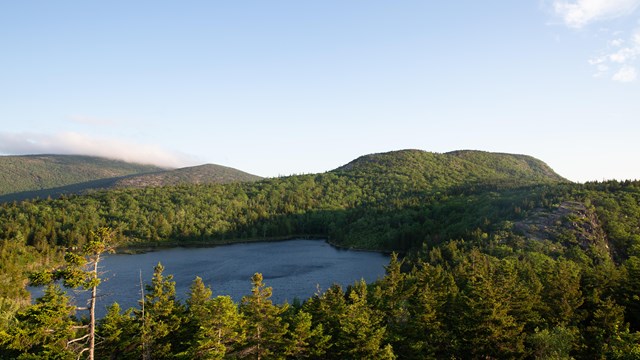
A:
[284,87]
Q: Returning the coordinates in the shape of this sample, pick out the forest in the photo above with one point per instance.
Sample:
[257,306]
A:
[495,256]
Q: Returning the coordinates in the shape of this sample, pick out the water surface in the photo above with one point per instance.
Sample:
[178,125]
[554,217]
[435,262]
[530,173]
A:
[293,268]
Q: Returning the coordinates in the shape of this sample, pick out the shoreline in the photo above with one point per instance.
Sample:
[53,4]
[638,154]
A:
[148,247]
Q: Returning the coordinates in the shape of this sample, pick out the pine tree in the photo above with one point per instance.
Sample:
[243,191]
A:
[391,298]
[486,326]
[161,318]
[561,294]
[362,328]
[327,309]
[44,329]
[306,341]
[427,335]
[81,272]
[118,334]
[215,325]
[265,329]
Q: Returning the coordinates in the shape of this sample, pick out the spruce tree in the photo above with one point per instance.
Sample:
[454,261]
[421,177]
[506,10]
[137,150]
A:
[119,334]
[45,329]
[161,318]
[215,325]
[80,271]
[306,341]
[265,329]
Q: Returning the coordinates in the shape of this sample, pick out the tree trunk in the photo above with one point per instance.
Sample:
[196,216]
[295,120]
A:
[92,316]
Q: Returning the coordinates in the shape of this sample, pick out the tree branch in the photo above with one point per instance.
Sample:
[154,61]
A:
[76,340]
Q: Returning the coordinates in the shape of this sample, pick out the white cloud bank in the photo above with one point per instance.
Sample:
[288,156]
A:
[622,56]
[619,60]
[71,143]
[626,74]
[577,14]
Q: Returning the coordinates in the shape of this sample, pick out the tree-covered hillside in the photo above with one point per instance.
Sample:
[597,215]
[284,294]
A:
[376,202]
[37,172]
[503,258]
[43,176]
[426,170]
[202,174]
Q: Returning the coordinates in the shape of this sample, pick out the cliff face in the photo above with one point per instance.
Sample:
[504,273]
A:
[570,223]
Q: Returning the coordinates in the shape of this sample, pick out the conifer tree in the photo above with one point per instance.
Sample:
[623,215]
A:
[161,318]
[215,325]
[265,329]
[391,298]
[486,326]
[81,272]
[561,294]
[427,333]
[327,309]
[119,334]
[362,328]
[44,329]
[306,341]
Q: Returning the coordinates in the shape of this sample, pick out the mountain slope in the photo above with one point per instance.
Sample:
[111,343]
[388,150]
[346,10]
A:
[202,174]
[440,171]
[38,172]
[390,201]
[42,176]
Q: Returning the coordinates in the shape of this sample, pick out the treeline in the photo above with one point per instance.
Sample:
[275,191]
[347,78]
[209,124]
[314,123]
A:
[309,204]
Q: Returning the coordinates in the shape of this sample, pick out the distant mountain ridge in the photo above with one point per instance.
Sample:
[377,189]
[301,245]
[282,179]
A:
[38,172]
[201,174]
[40,176]
[436,170]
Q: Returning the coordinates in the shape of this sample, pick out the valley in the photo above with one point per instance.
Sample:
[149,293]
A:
[498,256]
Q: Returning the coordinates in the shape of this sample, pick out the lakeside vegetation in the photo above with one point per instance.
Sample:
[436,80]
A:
[502,258]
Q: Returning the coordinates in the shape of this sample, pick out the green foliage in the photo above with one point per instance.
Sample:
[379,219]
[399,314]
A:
[265,329]
[43,330]
[215,326]
[203,174]
[501,259]
[306,340]
[552,344]
[391,201]
[162,316]
[35,172]
[119,334]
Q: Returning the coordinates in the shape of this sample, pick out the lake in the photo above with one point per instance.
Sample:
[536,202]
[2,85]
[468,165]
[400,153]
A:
[293,268]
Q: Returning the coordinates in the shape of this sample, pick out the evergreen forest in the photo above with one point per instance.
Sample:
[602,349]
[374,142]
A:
[495,256]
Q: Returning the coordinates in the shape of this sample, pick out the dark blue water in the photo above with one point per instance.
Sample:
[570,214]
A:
[293,268]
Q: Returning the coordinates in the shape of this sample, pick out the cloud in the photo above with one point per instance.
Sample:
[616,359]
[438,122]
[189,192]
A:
[616,42]
[621,57]
[626,74]
[72,143]
[577,14]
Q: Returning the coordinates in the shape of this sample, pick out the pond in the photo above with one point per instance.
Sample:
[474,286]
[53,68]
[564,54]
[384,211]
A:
[293,268]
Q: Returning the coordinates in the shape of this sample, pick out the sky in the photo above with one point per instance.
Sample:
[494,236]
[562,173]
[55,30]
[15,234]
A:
[291,87]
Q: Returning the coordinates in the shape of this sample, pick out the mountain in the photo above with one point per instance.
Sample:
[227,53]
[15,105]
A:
[202,174]
[42,176]
[38,172]
[433,170]
[388,201]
